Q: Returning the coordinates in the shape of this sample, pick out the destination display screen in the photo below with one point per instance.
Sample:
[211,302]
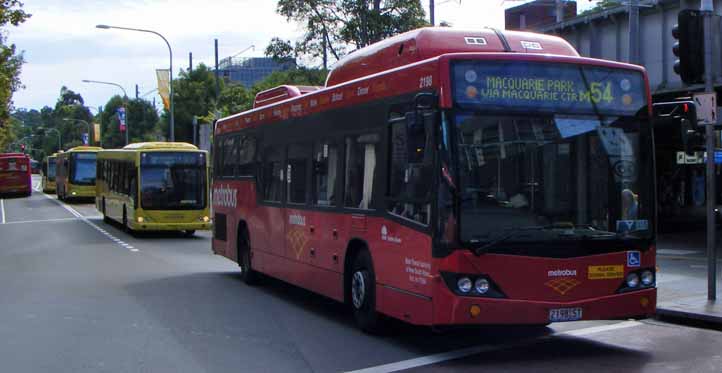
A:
[547,87]
[172,158]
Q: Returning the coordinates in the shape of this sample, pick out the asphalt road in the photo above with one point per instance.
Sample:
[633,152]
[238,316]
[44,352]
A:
[78,295]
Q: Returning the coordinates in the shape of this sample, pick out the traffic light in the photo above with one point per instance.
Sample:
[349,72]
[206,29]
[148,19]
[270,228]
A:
[689,48]
[676,122]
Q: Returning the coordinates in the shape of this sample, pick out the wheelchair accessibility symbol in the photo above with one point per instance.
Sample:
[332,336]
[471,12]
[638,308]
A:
[634,259]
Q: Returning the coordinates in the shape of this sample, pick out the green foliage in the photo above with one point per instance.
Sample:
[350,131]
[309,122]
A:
[280,50]
[141,120]
[334,25]
[602,5]
[10,63]
[195,95]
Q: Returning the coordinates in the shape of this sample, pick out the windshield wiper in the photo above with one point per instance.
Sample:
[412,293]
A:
[483,249]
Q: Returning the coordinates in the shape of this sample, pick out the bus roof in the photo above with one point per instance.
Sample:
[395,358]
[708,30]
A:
[429,42]
[14,155]
[160,145]
[78,149]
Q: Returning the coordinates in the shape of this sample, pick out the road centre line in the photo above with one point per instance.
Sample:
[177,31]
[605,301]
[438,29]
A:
[470,351]
[96,227]
[2,211]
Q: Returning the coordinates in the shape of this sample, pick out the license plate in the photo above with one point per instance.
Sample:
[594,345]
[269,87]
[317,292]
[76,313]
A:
[565,314]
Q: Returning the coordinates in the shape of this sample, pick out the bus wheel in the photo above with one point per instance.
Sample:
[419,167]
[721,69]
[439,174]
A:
[106,219]
[189,232]
[363,294]
[126,227]
[248,275]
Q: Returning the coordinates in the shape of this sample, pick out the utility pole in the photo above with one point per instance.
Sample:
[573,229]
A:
[707,8]
[560,11]
[195,130]
[633,31]
[190,62]
[218,83]
[136,91]
[431,12]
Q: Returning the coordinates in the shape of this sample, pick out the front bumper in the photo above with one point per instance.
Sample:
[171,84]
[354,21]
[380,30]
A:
[451,309]
[148,226]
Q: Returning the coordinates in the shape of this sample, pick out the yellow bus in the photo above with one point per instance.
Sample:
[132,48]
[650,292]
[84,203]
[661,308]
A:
[75,172]
[48,173]
[154,186]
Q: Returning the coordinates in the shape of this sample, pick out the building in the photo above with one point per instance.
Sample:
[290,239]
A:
[539,13]
[605,35]
[248,71]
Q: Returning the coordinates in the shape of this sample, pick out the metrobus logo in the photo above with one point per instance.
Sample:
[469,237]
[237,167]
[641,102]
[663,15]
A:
[225,197]
[562,273]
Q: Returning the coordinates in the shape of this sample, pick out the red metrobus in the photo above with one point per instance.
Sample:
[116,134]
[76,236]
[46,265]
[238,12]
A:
[15,174]
[447,177]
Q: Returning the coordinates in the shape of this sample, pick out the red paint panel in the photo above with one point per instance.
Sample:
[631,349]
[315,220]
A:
[410,308]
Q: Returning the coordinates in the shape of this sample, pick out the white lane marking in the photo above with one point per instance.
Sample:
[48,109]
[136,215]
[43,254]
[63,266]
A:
[457,354]
[39,221]
[96,227]
[664,277]
[2,210]
[676,252]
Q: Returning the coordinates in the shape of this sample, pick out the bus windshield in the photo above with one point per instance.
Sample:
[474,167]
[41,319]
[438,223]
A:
[51,169]
[534,166]
[173,181]
[83,168]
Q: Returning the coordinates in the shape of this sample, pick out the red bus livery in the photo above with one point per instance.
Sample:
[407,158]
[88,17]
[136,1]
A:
[447,177]
[15,174]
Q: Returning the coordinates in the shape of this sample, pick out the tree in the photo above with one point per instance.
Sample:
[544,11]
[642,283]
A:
[195,95]
[10,63]
[602,5]
[141,119]
[335,25]
[280,50]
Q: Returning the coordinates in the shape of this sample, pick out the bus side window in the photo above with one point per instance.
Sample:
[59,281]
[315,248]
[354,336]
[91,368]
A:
[246,156]
[297,172]
[273,174]
[360,170]
[325,168]
[230,154]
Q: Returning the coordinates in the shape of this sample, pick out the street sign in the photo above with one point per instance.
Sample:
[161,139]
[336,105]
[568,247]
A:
[121,118]
[706,104]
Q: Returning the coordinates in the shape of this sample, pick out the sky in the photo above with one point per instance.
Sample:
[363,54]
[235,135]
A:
[62,46]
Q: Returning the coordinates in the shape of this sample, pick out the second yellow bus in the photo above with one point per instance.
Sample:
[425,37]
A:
[154,186]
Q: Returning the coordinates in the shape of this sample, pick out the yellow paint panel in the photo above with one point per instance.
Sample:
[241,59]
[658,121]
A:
[606,272]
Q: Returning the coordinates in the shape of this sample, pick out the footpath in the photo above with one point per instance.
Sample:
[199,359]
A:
[682,280]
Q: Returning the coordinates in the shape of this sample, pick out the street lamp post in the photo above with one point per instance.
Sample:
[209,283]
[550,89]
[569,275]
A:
[170,52]
[125,99]
[81,121]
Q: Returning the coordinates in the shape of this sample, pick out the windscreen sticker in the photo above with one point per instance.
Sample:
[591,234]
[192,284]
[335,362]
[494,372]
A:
[570,127]
[634,258]
[624,226]
[605,272]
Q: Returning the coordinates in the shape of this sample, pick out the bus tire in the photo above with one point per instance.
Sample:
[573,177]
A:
[363,294]
[248,275]
[106,219]
[126,227]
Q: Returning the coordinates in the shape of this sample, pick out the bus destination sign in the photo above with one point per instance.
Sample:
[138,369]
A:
[544,87]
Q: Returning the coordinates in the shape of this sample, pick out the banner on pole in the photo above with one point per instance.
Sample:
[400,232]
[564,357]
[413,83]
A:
[164,86]
[84,136]
[96,132]
[121,118]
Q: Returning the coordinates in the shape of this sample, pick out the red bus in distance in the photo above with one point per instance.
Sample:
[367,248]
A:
[449,177]
[15,174]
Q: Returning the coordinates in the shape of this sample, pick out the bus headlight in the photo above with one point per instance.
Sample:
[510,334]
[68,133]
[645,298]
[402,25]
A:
[647,278]
[464,284]
[74,193]
[206,219]
[140,219]
[481,285]
[632,280]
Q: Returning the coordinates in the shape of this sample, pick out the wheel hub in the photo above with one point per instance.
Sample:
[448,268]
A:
[358,289]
